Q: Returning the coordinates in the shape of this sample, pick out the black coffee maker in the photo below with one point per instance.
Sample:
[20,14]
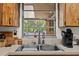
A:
[67,38]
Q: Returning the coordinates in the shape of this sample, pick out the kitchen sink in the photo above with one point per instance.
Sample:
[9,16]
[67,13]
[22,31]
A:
[37,48]
[27,48]
[49,48]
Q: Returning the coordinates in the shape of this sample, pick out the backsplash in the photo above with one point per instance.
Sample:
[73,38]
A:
[47,41]
[8,28]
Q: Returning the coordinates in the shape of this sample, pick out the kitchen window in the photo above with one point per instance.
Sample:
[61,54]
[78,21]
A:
[38,17]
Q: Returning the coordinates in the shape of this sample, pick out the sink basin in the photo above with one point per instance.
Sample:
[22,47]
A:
[27,48]
[38,48]
[48,48]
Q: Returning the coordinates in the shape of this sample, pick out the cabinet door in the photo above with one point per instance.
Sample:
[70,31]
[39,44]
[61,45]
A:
[16,15]
[71,14]
[10,14]
[1,13]
[6,14]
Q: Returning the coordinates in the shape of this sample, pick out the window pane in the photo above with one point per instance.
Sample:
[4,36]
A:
[40,6]
[41,23]
[34,23]
[26,23]
[46,6]
[29,14]
[30,23]
[38,14]
[33,26]
[28,7]
[50,31]
[26,29]
[43,14]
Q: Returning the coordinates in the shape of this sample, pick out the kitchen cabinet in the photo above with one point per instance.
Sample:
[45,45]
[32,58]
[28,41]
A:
[70,14]
[10,14]
[1,9]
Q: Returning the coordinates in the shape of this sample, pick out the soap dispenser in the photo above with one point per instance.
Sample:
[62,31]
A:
[15,34]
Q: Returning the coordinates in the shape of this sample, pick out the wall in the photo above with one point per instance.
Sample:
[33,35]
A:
[19,30]
[58,30]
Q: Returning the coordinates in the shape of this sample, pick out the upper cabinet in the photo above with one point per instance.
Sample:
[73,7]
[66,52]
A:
[9,14]
[1,17]
[69,14]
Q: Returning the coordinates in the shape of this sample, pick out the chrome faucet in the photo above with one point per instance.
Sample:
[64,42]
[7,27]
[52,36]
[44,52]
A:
[39,40]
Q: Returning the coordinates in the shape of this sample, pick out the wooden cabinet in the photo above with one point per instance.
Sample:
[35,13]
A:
[1,10]
[10,14]
[70,14]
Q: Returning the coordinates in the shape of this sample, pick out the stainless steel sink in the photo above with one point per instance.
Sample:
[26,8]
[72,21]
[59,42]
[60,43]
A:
[27,48]
[38,48]
[49,48]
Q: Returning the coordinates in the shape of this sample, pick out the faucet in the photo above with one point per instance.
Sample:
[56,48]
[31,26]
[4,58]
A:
[39,40]
[39,46]
[43,36]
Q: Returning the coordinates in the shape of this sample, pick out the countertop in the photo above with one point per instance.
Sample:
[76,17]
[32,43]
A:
[5,51]
[66,49]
